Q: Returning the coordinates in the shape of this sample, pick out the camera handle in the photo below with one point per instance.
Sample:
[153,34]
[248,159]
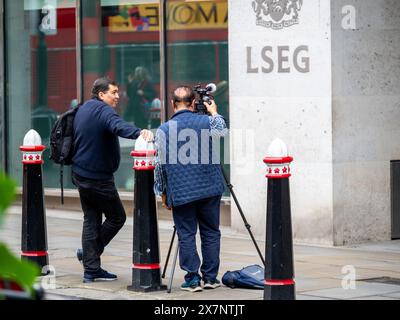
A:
[201,108]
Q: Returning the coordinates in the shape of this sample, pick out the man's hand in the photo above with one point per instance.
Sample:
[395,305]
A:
[211,108]
[147,135]
[164,201]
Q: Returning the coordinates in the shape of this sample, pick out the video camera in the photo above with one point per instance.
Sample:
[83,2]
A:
[204,96]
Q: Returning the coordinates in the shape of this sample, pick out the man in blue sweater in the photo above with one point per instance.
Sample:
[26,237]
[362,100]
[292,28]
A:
[96,158]
[190,181]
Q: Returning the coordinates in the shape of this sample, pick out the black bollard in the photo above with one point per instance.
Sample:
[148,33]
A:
[279,268]
[146,275]
[34,234]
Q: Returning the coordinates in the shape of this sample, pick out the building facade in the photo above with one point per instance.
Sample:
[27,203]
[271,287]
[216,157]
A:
[322,75]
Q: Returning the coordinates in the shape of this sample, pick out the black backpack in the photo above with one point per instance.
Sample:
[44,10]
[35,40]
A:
[62,144]
[250,277]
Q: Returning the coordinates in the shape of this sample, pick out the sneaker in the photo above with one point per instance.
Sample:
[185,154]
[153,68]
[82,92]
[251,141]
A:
[208,284]
[101,275]
[192,285]
[79,255]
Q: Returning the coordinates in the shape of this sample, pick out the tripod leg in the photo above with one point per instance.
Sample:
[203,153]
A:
[173,269]
[246,224]
[169,253]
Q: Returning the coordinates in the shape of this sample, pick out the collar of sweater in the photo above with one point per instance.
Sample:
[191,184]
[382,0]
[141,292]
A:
[181,112]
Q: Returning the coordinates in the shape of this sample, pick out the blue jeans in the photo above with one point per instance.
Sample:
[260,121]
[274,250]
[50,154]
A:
[204,213]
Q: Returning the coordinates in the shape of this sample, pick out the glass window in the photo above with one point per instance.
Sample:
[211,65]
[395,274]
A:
[41,74]
[121,40]
[197,51]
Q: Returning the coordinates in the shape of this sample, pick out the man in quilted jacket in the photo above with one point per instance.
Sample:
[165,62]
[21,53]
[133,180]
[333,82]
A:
[190,182]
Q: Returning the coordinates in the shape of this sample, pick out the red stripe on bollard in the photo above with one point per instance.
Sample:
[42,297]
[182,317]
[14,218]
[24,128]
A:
[32,148]
[277,160]
[34,253]
[279,282]
[144,168]
[278,176]
[151,266]
[146,153]
[33,162]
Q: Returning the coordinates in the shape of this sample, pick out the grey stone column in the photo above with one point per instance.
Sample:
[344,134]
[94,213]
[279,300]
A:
[280,87]
[366,116]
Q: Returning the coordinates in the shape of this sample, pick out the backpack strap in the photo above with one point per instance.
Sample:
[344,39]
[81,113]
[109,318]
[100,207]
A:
[62,181]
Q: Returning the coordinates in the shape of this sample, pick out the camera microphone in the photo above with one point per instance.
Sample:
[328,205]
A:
[211,87]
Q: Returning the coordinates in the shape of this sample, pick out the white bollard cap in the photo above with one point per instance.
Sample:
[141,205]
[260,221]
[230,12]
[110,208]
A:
[143,145]
[278,160]
[143,155]
[32,138]
[277,149]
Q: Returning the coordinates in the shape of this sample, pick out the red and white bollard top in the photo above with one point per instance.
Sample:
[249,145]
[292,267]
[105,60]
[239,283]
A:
[32,149]
[143,155]
[278,161]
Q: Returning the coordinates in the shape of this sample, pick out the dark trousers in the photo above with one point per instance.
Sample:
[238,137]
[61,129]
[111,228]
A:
[98,197]
[204,213]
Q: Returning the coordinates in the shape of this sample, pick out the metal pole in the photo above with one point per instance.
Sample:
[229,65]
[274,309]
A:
[173,269]
[246,224]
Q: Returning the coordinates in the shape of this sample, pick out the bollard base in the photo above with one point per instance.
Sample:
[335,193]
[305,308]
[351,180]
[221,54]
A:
[145,280]
[161,287]
[285,292]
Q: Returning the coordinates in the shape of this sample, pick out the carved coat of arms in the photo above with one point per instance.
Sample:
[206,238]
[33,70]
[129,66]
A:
[277,14]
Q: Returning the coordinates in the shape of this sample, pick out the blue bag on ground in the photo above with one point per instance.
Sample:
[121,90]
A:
[250,277]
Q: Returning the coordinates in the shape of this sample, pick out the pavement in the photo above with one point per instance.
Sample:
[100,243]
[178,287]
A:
[368,271]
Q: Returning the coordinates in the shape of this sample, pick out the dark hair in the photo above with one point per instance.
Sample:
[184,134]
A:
[187,97]
[101,85]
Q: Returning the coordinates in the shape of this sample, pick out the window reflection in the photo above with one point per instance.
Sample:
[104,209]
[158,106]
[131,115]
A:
[41,73]
[121,40]
[197,51]
[197,40]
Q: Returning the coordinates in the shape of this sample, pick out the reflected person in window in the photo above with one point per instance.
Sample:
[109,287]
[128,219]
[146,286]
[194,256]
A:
[141,93]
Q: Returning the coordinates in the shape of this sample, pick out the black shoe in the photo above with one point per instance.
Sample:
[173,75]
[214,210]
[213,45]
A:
[208,284]
[79,255]
[101,275]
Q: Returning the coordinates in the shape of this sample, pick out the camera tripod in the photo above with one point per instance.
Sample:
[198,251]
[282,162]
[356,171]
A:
[246,224]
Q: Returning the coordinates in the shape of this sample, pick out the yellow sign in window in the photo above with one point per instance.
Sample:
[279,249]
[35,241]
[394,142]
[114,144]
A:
[180,16]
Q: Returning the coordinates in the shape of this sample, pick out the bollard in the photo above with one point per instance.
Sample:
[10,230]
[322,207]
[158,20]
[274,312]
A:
[279,270]
[34,235]
[146,274]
